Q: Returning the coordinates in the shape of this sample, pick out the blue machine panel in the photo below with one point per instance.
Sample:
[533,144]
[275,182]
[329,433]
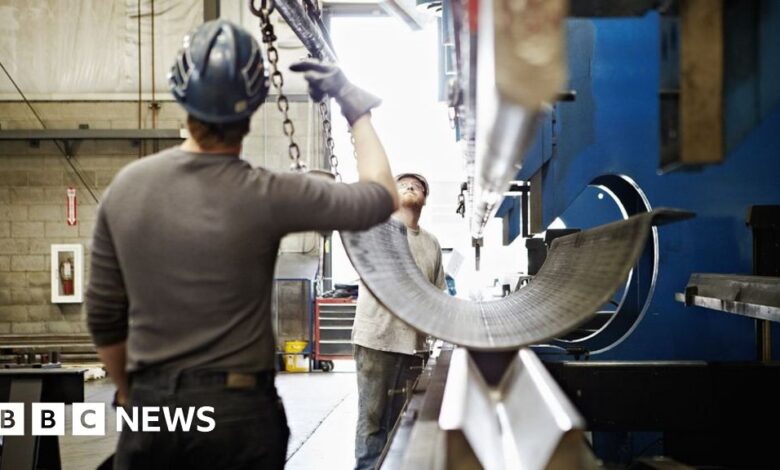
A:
[613,127]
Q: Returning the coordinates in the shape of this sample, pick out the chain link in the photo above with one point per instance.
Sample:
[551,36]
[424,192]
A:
[328,139]
[352,141]
[277,80]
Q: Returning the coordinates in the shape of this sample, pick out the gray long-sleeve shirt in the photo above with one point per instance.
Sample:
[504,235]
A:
[184,249]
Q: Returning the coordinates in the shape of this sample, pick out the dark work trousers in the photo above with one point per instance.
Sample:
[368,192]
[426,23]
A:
[379,372]
[250,424]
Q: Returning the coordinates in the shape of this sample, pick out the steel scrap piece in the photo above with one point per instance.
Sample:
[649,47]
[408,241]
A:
[581,273]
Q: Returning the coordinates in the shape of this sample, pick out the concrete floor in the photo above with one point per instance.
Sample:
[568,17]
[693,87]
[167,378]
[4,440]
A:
[321,412]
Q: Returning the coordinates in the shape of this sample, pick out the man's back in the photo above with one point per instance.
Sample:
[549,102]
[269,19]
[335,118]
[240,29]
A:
[196,237]
[184,249]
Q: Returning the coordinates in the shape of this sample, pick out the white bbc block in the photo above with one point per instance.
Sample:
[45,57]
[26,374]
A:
[48,419]
[89,419]
[11,419]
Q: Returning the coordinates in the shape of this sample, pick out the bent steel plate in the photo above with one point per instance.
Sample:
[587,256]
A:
[581,273]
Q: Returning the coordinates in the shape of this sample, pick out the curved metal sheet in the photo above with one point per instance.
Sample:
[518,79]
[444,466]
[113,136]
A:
[581,273]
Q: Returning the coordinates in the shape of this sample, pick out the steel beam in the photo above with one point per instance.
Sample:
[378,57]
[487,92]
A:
[309,33]
[750,296]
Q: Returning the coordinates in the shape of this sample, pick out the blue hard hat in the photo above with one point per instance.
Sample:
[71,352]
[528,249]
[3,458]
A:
[220,74]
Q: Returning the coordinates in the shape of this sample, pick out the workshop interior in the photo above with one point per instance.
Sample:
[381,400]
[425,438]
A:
[605,187]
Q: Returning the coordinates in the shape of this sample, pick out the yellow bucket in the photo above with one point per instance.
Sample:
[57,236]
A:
[294,360]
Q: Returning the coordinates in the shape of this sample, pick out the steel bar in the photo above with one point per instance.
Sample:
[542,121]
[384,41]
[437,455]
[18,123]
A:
[750,296]
[581,273]
[760,312]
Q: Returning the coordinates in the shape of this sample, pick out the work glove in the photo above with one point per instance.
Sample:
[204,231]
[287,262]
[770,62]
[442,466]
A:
[328,80]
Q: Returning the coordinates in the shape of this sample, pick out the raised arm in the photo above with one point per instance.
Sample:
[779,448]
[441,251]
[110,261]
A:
[356,104]
[372,163]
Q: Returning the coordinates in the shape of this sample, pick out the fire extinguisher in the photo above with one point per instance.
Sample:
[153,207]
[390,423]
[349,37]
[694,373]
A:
[66,276]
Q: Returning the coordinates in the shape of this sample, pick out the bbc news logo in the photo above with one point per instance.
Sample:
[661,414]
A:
[89,419]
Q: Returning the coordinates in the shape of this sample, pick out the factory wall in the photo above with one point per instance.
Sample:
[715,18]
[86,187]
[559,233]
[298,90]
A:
[34,177]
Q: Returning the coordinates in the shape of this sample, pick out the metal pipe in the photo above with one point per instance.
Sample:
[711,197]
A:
[309,34]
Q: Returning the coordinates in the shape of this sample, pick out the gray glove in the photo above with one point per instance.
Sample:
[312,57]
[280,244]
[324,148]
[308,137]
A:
[328,80]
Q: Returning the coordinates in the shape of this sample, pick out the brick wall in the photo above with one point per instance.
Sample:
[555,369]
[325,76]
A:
[34,178]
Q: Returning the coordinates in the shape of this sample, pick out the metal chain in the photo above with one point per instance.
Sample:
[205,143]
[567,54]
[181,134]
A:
[277,80]
[313,10]
[352,141]
[328,136]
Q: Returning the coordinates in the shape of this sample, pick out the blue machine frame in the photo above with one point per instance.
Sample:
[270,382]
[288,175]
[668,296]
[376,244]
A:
[617,68]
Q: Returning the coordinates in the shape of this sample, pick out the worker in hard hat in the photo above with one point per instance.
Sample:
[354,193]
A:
[388,352]
[183,254]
